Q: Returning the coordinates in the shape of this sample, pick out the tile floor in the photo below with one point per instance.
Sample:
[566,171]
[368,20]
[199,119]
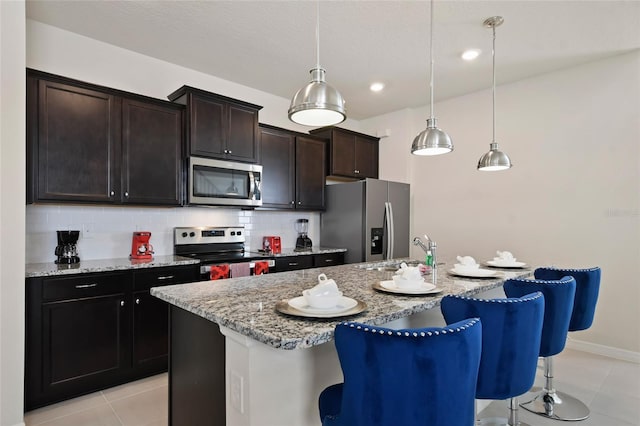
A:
[610,387]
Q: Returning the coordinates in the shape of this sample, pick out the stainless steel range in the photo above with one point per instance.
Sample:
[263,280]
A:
[219,246]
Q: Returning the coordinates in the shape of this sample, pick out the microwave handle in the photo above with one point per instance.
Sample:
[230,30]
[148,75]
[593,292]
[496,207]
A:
[252,186]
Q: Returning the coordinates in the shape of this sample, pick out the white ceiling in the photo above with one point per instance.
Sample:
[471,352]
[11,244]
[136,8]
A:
[270,45]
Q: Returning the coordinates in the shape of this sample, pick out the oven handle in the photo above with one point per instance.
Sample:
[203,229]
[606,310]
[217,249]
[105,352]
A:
[252,186]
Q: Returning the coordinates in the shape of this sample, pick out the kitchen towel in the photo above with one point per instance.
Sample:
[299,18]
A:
[240,269]
[219,272]
[261,267]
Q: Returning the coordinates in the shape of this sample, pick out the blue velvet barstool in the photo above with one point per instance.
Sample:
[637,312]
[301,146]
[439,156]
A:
[412,377]
[559,297]
[567,407]
[511,333]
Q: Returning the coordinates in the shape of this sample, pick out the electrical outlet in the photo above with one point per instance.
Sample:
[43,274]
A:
[237,391]
[88,229]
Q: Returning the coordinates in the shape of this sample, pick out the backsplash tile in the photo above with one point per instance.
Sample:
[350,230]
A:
[105,231]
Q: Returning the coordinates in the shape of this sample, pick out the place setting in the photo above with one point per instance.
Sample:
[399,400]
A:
[409,281]
[505,259]
[469,268]
[324,300]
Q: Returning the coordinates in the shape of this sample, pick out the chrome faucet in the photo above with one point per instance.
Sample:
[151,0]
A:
[431,247]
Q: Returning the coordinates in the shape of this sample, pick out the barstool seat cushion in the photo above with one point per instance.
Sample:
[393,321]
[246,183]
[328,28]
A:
[587,289]
[558,304]
[511,332]
[411,377]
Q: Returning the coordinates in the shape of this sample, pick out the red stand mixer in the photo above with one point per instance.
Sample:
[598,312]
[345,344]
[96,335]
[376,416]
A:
[140,247]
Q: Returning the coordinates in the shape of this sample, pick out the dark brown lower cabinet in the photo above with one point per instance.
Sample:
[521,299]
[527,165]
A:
[88,332]
[305,261]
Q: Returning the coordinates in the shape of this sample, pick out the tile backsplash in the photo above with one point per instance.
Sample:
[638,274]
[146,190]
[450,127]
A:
[105,232]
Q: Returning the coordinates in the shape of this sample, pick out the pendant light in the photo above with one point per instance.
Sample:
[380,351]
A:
[494,160]
[317,103]
[432,140]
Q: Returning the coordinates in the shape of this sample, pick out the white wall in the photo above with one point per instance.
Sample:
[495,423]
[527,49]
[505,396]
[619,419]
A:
[12,184]
[572,196]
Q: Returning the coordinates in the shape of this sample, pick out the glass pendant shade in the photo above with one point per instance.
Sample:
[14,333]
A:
[431,141]
[494,160]
[317,103]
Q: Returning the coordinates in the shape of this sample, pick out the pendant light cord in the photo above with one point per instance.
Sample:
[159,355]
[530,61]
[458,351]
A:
[318,34]
[493,54]
[431,58]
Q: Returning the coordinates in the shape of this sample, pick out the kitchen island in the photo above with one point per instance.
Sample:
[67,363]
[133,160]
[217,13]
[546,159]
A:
[232,353]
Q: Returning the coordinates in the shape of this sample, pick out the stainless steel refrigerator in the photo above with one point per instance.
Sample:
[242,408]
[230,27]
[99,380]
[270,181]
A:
[370,218]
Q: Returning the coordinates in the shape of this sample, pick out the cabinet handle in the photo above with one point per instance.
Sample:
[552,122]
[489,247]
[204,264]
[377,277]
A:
[87,285]
[165,277]
[299,202]
[126,194]
[357,172]
[328,260]
[229,152]
[293,263]
[137,301]
[122,303]
[293,202]
[112,193]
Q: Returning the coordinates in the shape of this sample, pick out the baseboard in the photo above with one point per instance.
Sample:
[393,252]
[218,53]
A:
[608,351]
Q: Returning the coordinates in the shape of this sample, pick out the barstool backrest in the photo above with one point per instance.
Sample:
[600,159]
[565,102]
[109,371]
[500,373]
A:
[511,333]
[413,377]
[587,289]
[558,304]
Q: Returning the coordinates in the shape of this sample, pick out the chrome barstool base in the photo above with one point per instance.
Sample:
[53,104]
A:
[557,406]
[497,421]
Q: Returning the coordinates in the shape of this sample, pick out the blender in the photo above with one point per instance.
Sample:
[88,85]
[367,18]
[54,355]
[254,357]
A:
[303,242]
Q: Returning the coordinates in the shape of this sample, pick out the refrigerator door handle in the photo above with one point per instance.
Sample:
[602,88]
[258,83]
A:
[388,230]
[392,233]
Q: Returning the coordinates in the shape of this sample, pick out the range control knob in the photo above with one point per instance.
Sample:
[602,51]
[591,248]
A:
[184,235]
[192,234]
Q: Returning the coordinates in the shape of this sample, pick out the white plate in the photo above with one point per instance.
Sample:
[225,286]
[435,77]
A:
[391,287]
[498,264]
[344,304]
[476,273]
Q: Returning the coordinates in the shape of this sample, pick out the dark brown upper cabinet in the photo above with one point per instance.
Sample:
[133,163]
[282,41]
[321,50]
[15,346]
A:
[88,143]
[218,126]
[351,154]
[294,169]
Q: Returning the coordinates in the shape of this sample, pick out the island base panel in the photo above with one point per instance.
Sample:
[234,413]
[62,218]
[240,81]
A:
[196,371]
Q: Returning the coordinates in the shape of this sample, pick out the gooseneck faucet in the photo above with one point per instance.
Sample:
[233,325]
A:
[430,248]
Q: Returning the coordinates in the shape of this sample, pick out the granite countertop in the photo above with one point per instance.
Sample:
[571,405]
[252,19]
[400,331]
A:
[290,251]
[247,305]
[33,270]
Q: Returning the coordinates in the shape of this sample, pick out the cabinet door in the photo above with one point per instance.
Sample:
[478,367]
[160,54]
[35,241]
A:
[242,138]
[152,153]
[206,126]
[277,156]
[342,154]
[366,157]
[328,259]
[85,344]
[78,144]
[150,332]
[311,160]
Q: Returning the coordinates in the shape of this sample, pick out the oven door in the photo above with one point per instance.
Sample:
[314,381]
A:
[224,183]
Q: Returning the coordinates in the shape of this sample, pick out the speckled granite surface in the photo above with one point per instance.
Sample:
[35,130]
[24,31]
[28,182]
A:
[102,265]
[247,305]
[290,251]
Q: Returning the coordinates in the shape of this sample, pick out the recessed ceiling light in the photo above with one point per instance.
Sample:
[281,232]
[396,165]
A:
[376,87]
[470,54]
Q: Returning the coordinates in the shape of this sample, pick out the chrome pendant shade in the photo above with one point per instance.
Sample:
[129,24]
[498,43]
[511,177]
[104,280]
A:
[317,103]
[432,140]
[494,160]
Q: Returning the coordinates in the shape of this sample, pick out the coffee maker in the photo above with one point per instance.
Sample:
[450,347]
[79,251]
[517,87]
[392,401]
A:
[140,247]
[66,249]
[303,242]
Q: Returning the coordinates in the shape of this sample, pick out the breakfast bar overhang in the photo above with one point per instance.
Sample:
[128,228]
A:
[235,360]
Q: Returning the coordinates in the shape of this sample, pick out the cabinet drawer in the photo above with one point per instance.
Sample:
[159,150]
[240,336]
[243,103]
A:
[293,262]
[328,259]
[156,277]
[86,285]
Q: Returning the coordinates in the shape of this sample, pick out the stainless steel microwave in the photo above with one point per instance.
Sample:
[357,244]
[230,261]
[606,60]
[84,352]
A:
[224,183]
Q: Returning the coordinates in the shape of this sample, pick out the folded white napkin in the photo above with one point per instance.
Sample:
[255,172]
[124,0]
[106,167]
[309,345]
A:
[409,273]
[504,256]
[466,260]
